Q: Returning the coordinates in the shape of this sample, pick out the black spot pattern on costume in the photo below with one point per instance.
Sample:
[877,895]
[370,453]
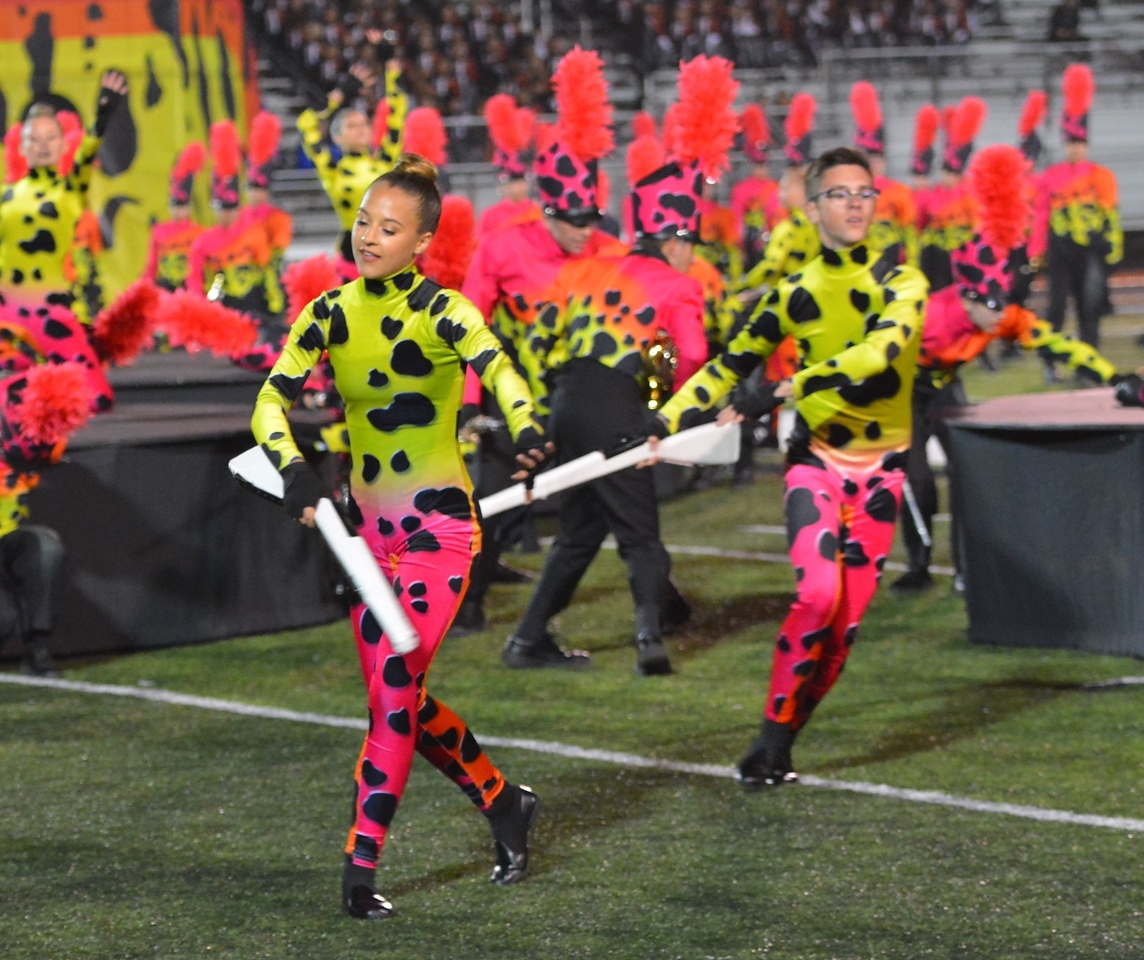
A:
[777,704]
[287,387]
[371,776]
[428,711]
[450,501]
[399,462]
[17,277]
[881,386]
[767,327]
[860,300]
[831,257]
[48,210]
[859,255]
[449,331]
[384,527]
[815,637]
[894,461]
[404,282]
[370,468]
[804,668]
[838,435]
[274,455]
[420,606]
[380,808]
[802,307]
[354,511]
[603,345]
[377,378]
[449,739]
[423,542]
[849,487]
[439,305]
[480,363]
[853,555]
[417,588]
[398,722]
[456,583]
[832,382]
[321,308]
[370,628]
[851,635]
[612,298]
[409,361]
[828,545]
[646,315]
[395,673]
[873,430]
[783,643]
[390,328]
[409,524]
[881,505]
[800,512]
[339,330]
[470,749]
[420,298]
[56,330]
[407,410]
[311,338]
[42,242]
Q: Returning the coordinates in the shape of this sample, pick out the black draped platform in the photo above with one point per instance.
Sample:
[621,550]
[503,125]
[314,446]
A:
[164,547]
[181,377]
[1049,489]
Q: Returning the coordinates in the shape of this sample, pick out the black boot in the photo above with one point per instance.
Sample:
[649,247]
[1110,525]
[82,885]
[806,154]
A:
[676,612]
[510,818]
[520,653]
[359,898]
[470,619]
[37,662]
[651,655]
[914,580]
[767,762]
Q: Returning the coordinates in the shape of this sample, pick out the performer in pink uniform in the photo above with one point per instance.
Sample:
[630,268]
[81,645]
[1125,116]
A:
[510,129]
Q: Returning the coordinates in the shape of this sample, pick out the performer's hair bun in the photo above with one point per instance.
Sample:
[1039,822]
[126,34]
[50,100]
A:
[413,164]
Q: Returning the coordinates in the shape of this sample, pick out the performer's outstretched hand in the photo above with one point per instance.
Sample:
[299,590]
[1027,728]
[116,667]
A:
[531,451]
[112,92]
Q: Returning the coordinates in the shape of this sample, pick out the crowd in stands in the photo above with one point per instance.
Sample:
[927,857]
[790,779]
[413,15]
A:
[763,33]
[456,55]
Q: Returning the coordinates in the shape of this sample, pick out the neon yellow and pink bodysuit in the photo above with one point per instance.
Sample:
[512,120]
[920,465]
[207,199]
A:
[398,347]
[38,217]
[858,327]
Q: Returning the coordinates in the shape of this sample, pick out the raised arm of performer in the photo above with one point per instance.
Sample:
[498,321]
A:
[396,342]
[857,324]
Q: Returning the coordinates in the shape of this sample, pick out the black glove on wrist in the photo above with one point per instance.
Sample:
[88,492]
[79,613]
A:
[1128,391]
[530,438]
[655,425]
[350,87]
[760,402]
[105,106]
[302,488]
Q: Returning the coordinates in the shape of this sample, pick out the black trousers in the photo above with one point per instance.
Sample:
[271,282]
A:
[597,408]
[31,580]
[1080,273]
[929,403]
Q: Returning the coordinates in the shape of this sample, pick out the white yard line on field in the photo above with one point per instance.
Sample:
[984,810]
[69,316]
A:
[582,753]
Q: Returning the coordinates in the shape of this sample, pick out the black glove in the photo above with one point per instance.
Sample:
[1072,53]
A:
[655,425]
[350,87]
[531,438]
[106,105]
[302,488]
[761,401]
[1128,390]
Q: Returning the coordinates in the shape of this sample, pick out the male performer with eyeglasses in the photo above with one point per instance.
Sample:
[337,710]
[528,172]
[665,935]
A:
[857,322]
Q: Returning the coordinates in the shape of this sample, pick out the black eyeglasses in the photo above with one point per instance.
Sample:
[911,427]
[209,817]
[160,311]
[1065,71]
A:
[842,195]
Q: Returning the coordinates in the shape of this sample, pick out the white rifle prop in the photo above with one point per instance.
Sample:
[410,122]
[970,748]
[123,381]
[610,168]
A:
[254,469]
[706,445]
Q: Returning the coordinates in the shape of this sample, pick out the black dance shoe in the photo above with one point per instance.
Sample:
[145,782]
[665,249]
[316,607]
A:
[359,898]
[510,836]
[651,657]
[767,762]
[506,574]
[913,581]
[521,654]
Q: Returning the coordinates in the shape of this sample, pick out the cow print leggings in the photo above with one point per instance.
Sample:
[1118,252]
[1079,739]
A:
[840,526]
[402,716]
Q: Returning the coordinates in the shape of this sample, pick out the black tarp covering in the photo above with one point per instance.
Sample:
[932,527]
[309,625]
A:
[164,547]
[1051,507]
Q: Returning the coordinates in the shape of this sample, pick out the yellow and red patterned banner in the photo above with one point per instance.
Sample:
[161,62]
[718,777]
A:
[188,65]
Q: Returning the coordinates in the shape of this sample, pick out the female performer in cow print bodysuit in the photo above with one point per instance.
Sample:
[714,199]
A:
[397,343]
[38,217]
[857,325]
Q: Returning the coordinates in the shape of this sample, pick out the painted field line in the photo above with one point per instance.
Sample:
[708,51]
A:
[571,752]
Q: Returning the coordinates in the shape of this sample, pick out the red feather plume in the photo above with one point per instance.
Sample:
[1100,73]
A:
[643,125]
[705,123]
[198,324]
[380,123]
[265,132]
[544,134]
[754,123]
[55,402]
[507,123]
[603,189]
[526,118]
[967,120]
[446,260]
[1036,103]
[864,106]
[190,160]
[72,127]
[996,178]
[1078,87]
[584,123]
[225,149]
[15,164]
[926,122]
[669,129]
[307,280]
[425,135]
[644,156]
[947,113]
[800,117]
[125,326]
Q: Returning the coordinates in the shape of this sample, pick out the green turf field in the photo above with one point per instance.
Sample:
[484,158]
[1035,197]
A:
[131,829]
